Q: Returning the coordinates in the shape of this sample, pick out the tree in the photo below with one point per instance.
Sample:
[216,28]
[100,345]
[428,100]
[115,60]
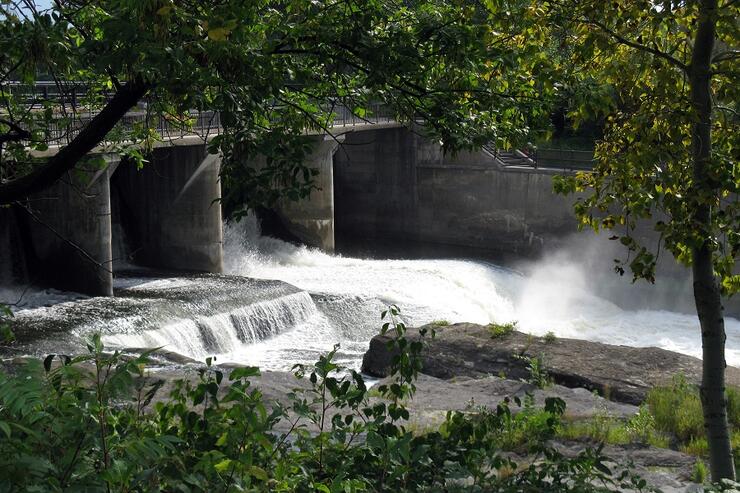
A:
[270,68]
[665,75]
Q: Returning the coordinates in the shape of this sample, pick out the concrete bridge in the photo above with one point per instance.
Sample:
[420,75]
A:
[377,180]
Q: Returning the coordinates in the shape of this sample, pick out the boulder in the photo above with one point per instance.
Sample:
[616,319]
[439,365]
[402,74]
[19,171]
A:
[621,373]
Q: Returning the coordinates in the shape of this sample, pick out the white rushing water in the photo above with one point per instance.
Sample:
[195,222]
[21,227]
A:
[338,300]
[554,296]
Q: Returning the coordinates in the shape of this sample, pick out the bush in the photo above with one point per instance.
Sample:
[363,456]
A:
[550,337]
[501,330]
[94,423]
[700,474]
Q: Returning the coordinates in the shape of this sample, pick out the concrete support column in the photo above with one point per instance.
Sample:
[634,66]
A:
[69,228]
[375,183]
[312,219]
[172,210]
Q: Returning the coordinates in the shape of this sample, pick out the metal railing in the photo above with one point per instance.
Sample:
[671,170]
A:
[199,123]
[544,158]
[70,100]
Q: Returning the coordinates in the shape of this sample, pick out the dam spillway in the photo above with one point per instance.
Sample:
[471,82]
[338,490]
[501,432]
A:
[282,304]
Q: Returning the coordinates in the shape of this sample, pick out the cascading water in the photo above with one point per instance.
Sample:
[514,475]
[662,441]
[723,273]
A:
[555,296]
[321,300]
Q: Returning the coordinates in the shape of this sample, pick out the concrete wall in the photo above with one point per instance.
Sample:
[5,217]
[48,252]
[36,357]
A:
[12,255]
[312,219]
[394,184]
[68,234]
[169,212]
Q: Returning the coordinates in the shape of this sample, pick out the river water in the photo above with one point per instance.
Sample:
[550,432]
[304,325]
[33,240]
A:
[333,299]
[554,296]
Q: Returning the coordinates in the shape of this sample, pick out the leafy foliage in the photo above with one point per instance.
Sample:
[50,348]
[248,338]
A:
[6,334]
[500,330]
[628,65]
[273,70]
[96,423]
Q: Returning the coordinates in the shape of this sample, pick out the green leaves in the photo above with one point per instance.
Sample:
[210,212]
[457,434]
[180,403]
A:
[628,65]
[82,425]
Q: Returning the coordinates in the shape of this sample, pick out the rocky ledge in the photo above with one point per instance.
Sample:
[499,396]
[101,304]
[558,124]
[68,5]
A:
[622,374]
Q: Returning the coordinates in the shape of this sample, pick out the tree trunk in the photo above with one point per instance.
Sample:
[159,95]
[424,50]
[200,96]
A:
[706,285]
[68,157]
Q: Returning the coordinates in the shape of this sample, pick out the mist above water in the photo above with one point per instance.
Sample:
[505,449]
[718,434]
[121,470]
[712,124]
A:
[572,293]
[338,300]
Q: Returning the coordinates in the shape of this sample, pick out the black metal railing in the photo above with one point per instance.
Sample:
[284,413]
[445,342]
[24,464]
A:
[543,158]
[73,112]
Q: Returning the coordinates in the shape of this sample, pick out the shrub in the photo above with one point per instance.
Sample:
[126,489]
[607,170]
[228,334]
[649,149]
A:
[550,337]
[677,409]
[700,473]
[501,330]
[538,375]
[440,323]
[94,423]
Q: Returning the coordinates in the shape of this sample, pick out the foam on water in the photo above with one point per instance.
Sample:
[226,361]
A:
[553,296]
[338,300]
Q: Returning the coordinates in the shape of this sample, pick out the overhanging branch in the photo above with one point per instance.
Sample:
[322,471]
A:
[639,46]
[67,157]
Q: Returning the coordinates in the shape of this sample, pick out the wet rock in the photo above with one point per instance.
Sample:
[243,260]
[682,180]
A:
[623,374]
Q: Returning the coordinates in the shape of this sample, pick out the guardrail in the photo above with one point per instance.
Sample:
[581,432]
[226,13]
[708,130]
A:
[201,123]
[544,158]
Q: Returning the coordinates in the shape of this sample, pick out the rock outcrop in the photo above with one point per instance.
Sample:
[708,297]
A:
[622,374]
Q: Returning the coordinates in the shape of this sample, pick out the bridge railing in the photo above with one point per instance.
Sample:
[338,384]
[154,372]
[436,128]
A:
[202,123]
[570,159]
[72,113]
[544,158]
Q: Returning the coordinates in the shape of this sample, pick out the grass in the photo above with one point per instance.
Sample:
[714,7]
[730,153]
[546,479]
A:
[501,330]
[670,418]
[700,474]
[607,429]
[440,323]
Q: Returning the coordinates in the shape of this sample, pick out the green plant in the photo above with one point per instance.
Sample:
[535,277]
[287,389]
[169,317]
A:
[500,330]
[550,337]
[700,474]
[439,323]
[538,375]
[641,426]
[95,423]
[677,409]
[6,334]
[531,426]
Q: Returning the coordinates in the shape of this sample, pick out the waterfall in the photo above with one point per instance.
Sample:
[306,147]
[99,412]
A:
[319,300]
[223,332]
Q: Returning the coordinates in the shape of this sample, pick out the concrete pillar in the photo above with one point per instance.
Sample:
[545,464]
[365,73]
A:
[312,219]
[172,216]
[13,258]
[69,232]
[375,183]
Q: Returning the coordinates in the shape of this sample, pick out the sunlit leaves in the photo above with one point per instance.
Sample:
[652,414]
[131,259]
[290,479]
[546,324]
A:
[627,59]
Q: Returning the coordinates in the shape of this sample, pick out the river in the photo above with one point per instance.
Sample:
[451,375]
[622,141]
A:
[339,299]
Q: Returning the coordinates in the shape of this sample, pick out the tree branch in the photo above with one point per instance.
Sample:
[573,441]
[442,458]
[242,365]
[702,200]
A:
[67,157]
[16,133]
[638,46]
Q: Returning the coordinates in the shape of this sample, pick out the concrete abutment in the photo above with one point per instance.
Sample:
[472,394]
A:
[168,211]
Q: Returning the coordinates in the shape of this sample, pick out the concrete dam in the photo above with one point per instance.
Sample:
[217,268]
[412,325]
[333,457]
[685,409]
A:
[385,183]
[184,280]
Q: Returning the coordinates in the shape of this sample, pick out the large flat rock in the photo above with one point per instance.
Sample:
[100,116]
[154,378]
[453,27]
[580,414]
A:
[623,374]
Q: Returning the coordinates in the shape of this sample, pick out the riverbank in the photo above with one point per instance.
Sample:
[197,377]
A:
[473,369]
